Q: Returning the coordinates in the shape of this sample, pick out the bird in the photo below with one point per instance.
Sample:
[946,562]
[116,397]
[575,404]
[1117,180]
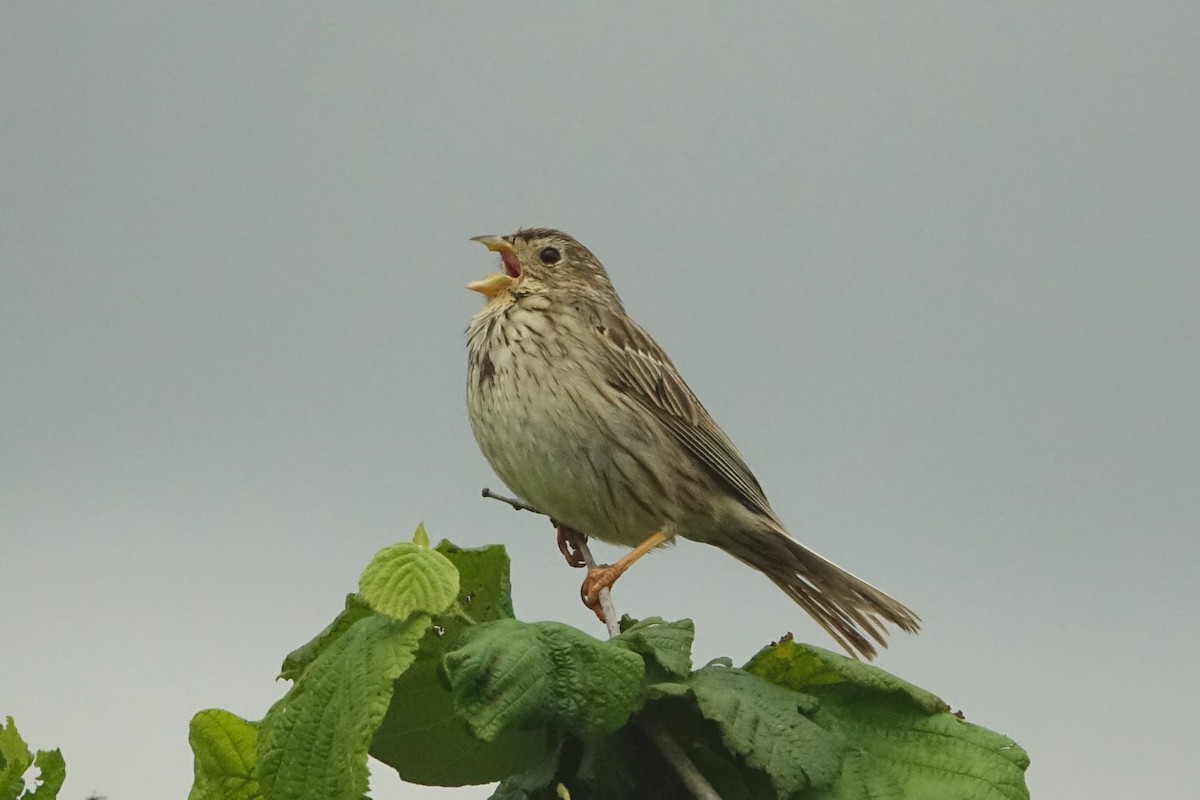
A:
[584,416]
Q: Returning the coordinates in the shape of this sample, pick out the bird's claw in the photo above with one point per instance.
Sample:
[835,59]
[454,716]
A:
[598,579]
[568,545]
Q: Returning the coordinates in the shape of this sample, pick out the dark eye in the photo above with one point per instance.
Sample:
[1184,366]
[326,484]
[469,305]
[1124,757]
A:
[550,256]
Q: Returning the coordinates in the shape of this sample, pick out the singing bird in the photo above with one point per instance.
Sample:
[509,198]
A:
[584,416]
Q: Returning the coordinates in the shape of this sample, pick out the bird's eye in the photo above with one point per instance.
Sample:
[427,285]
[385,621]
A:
[550,256]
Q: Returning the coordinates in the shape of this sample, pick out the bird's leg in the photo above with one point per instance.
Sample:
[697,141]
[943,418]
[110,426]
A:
[568,544]
[603,577]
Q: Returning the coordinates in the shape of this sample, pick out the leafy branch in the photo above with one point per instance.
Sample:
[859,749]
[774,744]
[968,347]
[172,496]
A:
[428,670]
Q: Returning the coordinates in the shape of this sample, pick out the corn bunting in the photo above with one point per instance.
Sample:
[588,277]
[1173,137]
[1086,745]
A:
[584,416]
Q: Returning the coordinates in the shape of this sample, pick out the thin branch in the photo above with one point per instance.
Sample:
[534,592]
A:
[696,783]
[517,505]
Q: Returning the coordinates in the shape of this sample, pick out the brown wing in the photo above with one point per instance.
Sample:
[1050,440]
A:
[639,368]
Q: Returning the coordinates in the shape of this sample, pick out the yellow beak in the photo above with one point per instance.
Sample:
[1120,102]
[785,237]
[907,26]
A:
[491,286]
[497,244]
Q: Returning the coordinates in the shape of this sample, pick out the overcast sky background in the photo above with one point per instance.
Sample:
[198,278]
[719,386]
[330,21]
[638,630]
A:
[933,266]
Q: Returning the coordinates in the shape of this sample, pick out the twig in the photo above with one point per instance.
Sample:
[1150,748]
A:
[671,752]
[696,783]
[517,505]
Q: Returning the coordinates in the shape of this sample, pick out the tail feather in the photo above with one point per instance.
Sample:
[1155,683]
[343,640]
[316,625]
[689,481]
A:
[847,607]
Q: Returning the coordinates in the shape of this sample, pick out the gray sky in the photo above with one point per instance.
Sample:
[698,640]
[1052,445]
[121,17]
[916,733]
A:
[932,266]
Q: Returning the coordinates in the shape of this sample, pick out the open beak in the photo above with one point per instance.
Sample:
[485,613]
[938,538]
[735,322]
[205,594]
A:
[493,285]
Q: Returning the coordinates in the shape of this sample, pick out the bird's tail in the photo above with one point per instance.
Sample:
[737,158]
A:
[849,608]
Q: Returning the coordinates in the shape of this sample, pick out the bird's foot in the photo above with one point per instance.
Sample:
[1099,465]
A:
[569,540]
[598,579]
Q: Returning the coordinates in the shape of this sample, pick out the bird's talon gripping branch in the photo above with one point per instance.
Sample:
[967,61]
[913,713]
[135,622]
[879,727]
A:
[568,545]
[597,580]
[603,577]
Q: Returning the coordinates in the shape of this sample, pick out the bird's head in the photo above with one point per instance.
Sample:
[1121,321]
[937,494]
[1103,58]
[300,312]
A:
[541,260]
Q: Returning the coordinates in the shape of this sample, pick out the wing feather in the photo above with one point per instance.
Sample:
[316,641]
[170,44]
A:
[643,371]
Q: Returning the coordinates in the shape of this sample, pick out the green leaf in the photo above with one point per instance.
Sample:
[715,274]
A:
[765,724]
[15,758]
[407,579]
[861,777]
[427,742]
[899,741]
[804,668]
[421,536]
[421,736]
[224,746]
[537,781]
[299,659]
[15,761]
[667,644]
[52,771]
[936,755]
[485,588]
[657,691]
[508,674]
[313,743]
